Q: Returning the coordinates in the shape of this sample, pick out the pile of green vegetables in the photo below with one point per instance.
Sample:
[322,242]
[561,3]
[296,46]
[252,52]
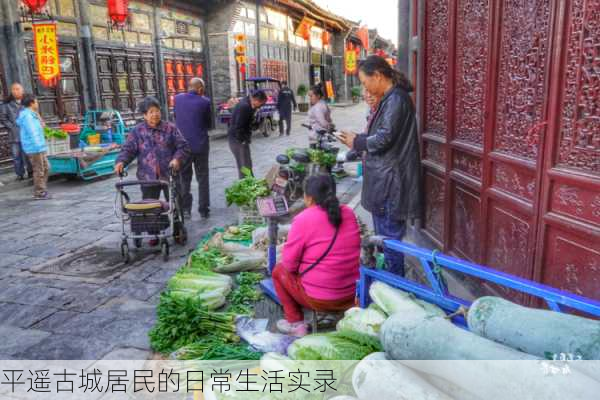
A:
[212,348]
[241,299]
[244,192]
[184,320]
[187,320]
[50,133]
[240,232]
[340,345]
[206,258]
[322,158]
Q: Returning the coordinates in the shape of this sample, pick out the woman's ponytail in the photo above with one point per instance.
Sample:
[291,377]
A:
[332,206]
[322,189]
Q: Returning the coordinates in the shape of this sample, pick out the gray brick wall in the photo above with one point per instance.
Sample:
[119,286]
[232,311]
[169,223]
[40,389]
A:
[220,43]
[338,66]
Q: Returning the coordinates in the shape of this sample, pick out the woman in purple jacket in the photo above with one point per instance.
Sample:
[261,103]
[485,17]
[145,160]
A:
[158,146]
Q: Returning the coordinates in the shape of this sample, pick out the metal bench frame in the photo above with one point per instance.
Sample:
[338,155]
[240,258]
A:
[437,293]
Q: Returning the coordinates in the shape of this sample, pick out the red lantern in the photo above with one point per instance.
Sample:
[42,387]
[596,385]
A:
[35,6]
[199,70]
[325,38]
[118,11]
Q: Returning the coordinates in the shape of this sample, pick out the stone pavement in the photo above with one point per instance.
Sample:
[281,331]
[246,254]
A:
[64,292]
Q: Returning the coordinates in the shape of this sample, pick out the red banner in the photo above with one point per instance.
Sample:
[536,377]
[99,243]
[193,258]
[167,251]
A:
[363,35]
[46,52]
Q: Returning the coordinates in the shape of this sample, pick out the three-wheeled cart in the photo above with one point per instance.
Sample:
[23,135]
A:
[265,117]
[102,133]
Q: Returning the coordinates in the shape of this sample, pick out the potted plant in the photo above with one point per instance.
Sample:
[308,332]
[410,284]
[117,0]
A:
[302,92]
[355,93]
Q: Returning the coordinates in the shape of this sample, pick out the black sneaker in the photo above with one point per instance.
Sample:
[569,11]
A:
[20,178]
[205,214]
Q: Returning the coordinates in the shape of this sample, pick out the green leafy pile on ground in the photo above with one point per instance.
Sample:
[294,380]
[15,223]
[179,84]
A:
[244,192]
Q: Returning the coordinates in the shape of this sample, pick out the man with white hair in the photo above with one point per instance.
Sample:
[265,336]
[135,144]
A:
[193,118]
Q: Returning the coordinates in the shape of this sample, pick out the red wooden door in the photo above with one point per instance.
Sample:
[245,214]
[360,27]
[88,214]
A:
[507,186]
[569,231]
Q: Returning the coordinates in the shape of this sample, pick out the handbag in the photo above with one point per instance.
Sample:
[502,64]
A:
[324,254]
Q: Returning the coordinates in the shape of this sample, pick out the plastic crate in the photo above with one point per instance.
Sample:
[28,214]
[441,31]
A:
[113,138]
[250,215]
[57,146]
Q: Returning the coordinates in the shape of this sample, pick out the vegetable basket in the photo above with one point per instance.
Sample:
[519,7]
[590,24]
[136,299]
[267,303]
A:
[56,146]
[250,215]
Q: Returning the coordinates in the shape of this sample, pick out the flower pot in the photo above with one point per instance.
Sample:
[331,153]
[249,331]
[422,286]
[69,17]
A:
[303,107]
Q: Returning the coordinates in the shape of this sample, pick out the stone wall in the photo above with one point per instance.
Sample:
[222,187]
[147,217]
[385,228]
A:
[220,45]
[341,94]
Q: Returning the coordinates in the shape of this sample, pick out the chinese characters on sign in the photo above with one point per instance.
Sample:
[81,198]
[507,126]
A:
[46,52]
[113,381]
[350,61]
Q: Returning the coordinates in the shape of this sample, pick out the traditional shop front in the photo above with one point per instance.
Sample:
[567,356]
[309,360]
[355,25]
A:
[156,53]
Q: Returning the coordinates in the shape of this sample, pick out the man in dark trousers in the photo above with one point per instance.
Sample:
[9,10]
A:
[240,128]
[8,117]
[285,101]
[193,118]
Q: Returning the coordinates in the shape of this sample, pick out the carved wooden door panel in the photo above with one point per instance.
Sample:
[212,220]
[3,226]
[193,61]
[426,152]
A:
[435,120]
[486,91]
[569,232]
[517,132]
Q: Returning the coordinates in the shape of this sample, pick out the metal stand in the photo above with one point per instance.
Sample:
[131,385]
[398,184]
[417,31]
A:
[272,208]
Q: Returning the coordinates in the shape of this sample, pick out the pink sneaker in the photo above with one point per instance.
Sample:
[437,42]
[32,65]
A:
[297,329]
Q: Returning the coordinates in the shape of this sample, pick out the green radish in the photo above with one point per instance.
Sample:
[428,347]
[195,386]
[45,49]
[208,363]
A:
[393,301]
[538,332]
[375,377]
[490,376]
[414,337]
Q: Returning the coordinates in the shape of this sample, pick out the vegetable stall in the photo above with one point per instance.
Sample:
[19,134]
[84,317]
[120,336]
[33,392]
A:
[88,153]
[405,340]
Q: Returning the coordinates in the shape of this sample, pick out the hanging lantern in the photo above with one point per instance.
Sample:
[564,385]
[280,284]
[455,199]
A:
[325,38]
[35,6]
[199,71]
[118,11]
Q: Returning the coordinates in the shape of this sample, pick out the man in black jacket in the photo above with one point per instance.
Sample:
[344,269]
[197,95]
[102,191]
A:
[240,128]
[8,117]
[285,101]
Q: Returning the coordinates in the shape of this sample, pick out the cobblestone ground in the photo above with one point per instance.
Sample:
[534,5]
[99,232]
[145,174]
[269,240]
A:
[64,292]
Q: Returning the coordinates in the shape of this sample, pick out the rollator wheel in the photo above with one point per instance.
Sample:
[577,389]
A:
[180,235]
[164,250]
[137,243]
[125,253]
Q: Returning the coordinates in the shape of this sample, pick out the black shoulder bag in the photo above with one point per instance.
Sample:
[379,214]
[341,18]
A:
[324,254]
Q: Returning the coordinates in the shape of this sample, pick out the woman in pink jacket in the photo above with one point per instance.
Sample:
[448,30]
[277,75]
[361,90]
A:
[320,261]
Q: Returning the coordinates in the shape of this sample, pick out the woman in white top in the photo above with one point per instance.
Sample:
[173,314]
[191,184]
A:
[319,115]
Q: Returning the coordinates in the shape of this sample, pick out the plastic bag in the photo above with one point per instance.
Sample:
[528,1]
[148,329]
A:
[217,241]
[254,332]
[243,261]
[260,236]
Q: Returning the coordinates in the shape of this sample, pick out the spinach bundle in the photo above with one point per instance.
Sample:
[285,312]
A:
[184,320]
[244,192]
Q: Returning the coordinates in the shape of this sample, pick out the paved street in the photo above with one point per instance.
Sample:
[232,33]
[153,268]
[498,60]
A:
[64,292]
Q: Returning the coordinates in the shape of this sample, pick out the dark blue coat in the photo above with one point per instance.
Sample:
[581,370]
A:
[285,100]
[193,118]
